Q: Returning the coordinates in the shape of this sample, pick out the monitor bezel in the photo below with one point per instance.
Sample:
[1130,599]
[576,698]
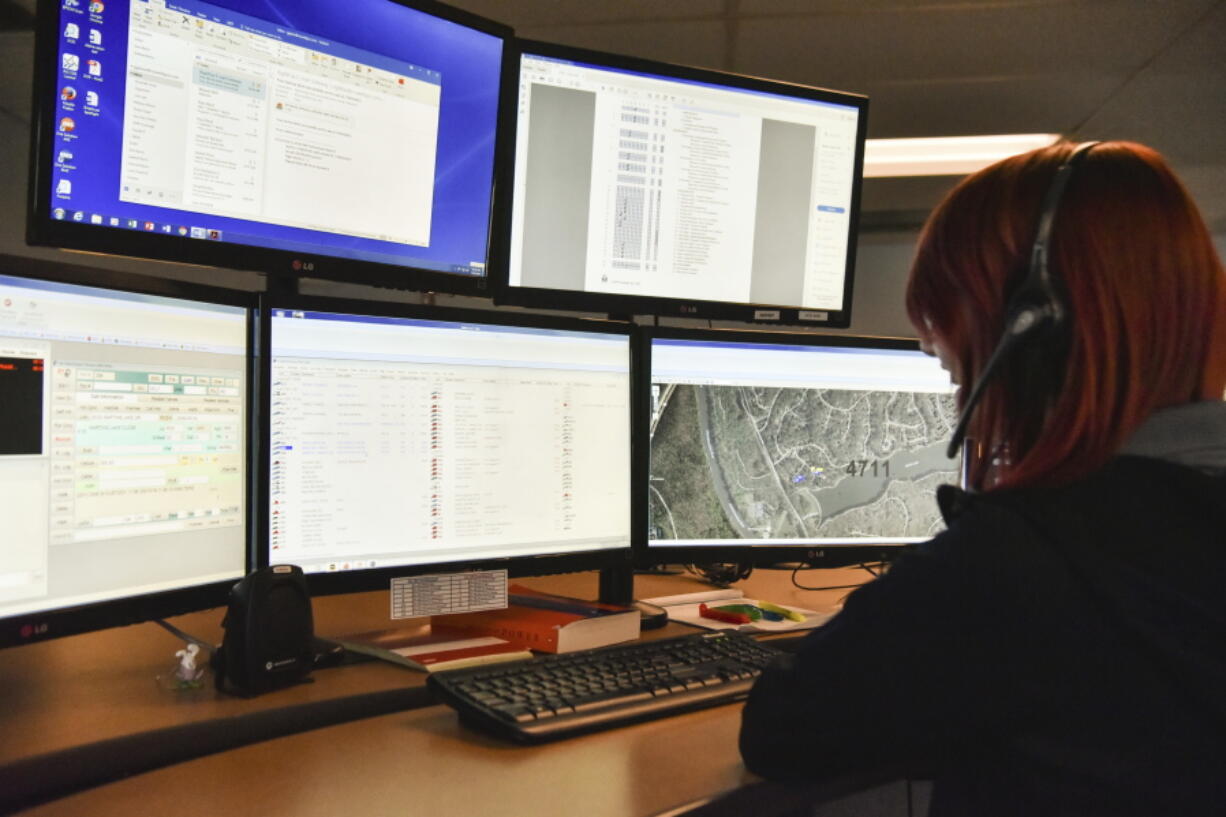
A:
[351,581]
[628,305]
[649,556]
[28,628]
[43,230]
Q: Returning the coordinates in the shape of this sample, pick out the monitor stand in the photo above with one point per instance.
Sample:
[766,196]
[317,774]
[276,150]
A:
[276,283]
[617,585]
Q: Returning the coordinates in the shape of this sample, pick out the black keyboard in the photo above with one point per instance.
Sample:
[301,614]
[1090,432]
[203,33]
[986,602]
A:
[558,696]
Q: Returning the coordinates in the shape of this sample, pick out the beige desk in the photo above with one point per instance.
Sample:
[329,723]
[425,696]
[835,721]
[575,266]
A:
[88,688]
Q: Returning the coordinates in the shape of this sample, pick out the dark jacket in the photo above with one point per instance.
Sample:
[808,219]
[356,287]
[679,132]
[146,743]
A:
[1054,652]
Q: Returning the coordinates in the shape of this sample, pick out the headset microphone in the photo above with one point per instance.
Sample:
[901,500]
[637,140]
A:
[1036,309]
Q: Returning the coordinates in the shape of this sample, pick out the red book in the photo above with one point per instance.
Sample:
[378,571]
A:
[434,651]
[547,623]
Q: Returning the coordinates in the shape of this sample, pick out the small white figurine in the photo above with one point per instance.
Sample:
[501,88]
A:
[187,674]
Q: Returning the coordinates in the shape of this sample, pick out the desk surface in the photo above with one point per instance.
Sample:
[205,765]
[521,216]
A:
[92,687]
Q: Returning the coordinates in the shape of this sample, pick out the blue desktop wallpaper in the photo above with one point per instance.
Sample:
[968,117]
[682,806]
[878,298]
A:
[468,60]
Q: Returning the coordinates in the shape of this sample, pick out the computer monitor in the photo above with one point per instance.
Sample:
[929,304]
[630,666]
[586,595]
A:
[406,440]
[766,448]
[646,188]
[123,452]
[351,141]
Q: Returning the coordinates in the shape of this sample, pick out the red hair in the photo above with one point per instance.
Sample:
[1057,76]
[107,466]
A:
[1144,289]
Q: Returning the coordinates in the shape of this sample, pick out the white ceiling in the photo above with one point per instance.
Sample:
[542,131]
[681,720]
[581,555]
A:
[1148,70]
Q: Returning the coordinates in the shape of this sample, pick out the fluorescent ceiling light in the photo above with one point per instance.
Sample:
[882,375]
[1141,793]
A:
[946,155]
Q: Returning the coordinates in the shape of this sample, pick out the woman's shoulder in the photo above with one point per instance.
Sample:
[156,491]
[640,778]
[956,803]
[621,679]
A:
[1130,499]
[1121,477]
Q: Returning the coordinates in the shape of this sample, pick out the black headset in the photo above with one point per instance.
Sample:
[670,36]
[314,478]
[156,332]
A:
[1037,309]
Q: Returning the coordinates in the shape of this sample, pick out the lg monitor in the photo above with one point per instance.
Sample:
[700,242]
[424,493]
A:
[349,141]
[123,457]
[403,441]
[645,188]
[766,448]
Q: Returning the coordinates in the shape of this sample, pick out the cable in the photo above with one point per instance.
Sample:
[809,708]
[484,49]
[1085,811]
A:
[190,639]
[866,567]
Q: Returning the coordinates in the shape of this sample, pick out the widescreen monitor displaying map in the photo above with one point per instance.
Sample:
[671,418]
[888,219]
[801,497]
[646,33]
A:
[763,441]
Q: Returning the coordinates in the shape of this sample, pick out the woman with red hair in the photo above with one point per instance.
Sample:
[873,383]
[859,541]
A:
[1061,648]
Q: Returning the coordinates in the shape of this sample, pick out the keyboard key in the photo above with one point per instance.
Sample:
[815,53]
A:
[557,696]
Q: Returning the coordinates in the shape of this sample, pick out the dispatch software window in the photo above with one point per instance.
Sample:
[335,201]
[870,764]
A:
[122,452]
[669,174]
[410,442]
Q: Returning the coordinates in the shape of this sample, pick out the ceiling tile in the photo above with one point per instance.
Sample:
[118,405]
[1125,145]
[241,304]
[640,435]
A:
[1207,185]
[751,8]
[1177,103]
[570,12]
[852,49]
[1043,104]
[700,43]
[16,70]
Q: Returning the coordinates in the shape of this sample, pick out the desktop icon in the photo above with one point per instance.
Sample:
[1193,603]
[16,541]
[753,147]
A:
[79,215]
[72,4]
[96,7]
[63,188]
[166,228]
[95,219]
[149,225]
[197,232]
[95,37]
[91,99]
[68,93]
[64,157]
[67,124]
[72,31]
[58,213]
[94,68]
[114,222]
[72,63]
[133,224]
[182,231]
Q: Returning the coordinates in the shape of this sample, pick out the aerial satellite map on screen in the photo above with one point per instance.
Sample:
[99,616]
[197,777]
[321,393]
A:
[761,463]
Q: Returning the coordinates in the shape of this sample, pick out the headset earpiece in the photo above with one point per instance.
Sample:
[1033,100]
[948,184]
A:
[1036,310]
